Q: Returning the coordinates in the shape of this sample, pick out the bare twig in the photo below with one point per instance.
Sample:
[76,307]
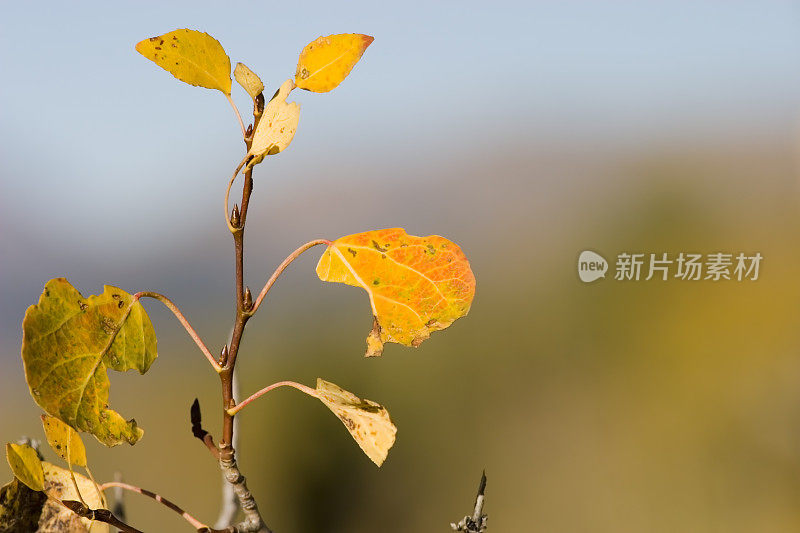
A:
[198,525]
[119,498]
[252,517]
[230,503]
[262,392]
[184,322]
[477,522]
[278,271]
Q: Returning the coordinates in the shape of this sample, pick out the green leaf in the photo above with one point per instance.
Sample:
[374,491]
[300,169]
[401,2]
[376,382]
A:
[26,465]
[191,56]
[367,421]
[68,344]
[248,79]
[64,440]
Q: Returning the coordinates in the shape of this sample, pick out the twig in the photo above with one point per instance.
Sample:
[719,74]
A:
[477,522]
[262,392]
[230,503]
[252,517]
[278,271]
[185,323]
[238,115]
[197,524]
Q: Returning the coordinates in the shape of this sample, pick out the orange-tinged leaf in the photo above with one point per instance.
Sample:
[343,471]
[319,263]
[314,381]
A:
[191,56]
[325,62]
[416,285]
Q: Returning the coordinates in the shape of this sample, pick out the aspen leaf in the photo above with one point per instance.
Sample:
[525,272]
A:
[191,56]
[68,344]
[55,517]
[277,126]
[325,62]
[248,79]
[416,285]
[64,440]
[367,421]
[26,465]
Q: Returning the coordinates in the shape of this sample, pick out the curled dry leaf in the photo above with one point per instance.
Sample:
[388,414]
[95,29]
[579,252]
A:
[277,126]
[55,517]
[248,79]
[191,56]
[325,62]
[68,344]
[26,465]
[416,285]
[64,440]
[367,421]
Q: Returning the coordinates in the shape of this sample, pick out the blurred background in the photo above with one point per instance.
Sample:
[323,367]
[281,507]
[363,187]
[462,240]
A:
[526,132]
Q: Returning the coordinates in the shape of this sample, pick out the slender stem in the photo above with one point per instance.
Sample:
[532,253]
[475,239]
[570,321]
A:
[238,115]
[262,392]
[197,524]
[278,271]
[228,193]
[185,323]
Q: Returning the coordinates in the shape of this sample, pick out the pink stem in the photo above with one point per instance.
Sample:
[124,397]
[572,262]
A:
[278,271]
[185,323]
[189,518]
[308,390]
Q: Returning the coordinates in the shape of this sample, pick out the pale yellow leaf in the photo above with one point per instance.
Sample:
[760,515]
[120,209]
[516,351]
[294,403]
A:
[64,440]
[26,465]
[325,62]
[367,421]
[55,517]
[191,56]
[277,126]
[248,79]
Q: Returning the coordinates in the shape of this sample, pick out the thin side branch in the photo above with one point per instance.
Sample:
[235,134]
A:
[185,323]
[278,271]
[231,227]
[238,115]
[197,524]
[308,390]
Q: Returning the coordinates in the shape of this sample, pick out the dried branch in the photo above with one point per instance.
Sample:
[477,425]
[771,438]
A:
[477,522]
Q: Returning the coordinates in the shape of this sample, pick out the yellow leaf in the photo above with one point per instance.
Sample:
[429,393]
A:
[248,79]
[26,465]
[326,62]
[367,421]
[64,440]
[416,285]
[191,56]
[277,126]
[55,517]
